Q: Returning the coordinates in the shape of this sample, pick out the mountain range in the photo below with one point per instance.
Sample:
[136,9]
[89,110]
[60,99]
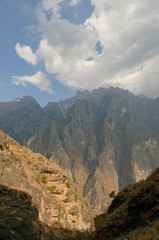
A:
[104,139]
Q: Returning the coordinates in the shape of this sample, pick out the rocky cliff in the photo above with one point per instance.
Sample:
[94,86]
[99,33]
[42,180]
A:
[38,194]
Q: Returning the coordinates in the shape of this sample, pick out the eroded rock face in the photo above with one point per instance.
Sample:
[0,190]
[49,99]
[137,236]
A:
[51,190]
[106,141]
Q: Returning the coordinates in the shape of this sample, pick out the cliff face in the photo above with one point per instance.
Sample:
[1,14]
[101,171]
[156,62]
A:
[106,141]
[43,187]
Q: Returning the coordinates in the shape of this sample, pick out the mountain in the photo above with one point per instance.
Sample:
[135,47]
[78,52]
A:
[38,198]
[105,139]
[40,201]
[22,118]
[133,214]
[108,139]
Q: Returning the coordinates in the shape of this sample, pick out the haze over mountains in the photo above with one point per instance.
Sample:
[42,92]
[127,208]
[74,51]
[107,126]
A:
[105,139]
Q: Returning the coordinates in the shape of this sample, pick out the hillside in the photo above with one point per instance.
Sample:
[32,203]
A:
[38,195]
[133,214]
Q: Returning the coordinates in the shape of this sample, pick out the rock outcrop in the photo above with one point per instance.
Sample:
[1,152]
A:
[49,194]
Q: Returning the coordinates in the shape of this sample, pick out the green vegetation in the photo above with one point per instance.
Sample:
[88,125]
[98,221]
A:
[41,178]
[67,194]
[52,188]
[17,159]
[40,158]
[112,194]
[44,179]
[76,197]
[69,184]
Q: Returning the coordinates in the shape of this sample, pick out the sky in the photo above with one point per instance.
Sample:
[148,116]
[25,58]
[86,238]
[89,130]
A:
[52,48]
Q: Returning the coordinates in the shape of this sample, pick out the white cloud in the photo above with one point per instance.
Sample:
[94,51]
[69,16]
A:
[128,31]
[39,80]
[26,53]
[74,2]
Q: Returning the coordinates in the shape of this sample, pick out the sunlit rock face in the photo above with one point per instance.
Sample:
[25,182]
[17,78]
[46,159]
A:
[36,190]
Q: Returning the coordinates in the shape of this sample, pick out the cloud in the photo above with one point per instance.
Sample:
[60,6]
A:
[74,2]
[39,80]
[127,33]
[26,53]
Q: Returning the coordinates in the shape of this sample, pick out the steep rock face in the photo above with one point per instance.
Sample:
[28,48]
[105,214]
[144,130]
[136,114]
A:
[51,190]
[106,141]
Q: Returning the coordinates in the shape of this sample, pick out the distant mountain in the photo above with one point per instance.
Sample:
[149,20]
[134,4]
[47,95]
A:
[108,139]
[133,214]
[38,198]
[22,118]
[105,139]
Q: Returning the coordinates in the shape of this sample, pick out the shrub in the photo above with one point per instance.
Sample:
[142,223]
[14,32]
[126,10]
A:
[112,194]
[41,178]
[52,188]
[44,179]
[69,184]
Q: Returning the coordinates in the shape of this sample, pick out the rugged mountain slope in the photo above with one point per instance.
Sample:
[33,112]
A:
[133,214]
[43,188]
[22,118]
[108,139]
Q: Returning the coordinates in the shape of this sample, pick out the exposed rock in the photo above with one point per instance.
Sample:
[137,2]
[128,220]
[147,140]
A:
[107,141]
[24,173]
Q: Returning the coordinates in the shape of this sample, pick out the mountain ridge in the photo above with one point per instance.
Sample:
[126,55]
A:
[107,134]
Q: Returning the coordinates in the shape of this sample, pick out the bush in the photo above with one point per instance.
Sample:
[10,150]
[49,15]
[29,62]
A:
[69,184]
[52,188]
[41,178]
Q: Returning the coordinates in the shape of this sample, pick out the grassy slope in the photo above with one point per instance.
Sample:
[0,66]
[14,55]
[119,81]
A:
[134,212]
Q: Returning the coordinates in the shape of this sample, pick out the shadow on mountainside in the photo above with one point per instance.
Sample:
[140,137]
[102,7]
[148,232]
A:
[134,213]
[19,219]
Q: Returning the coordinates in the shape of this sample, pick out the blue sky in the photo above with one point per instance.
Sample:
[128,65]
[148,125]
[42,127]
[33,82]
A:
[51,48]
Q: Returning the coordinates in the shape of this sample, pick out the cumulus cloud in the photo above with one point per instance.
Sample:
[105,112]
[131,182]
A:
[127,33]
[39,80]
[26,53]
